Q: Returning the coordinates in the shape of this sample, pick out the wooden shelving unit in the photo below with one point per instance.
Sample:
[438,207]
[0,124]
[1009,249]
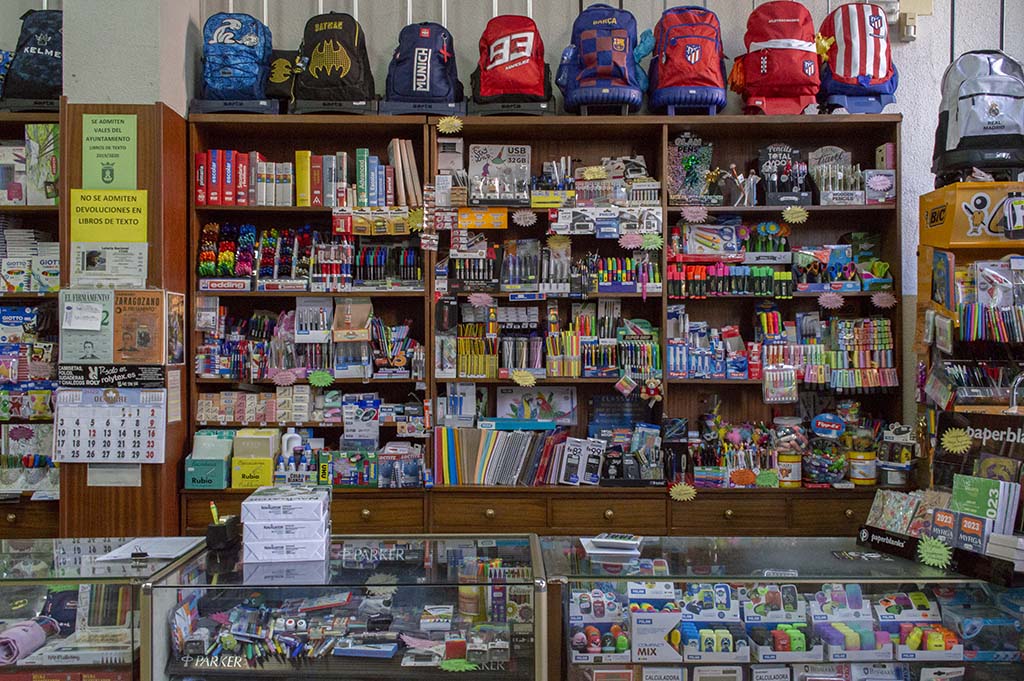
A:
[559,509]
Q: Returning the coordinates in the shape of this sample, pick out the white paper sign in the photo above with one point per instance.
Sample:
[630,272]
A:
[82,317]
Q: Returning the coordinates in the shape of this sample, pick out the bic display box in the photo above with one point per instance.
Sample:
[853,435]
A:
[308,530]
[251,473]
[966,215]
[206,473]
[275,504]
[285,550]
[257,443]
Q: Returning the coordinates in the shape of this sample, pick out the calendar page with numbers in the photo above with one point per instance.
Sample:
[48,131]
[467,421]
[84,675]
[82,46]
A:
[110,425]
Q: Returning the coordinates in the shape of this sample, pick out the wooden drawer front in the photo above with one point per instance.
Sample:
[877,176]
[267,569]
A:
[505,512]
[196,510]
[829,517]
[362,515]
[729,517]
[609,513]
[29,519]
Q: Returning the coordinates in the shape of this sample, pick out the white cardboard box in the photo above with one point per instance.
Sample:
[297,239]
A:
[285,550]
[293,530]
[274,504]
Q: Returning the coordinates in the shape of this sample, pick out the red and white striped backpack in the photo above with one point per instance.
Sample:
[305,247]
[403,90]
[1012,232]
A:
[779,72]
[858,58]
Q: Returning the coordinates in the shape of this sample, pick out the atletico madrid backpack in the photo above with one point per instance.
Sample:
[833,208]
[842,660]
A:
[333,65]
[857,60]
[236,57]
[511,67]
[779,72]
[688,64]
[423,69]
[598,68]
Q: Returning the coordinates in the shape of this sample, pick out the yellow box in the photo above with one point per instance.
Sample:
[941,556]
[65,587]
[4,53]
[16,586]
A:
[257,443]
[966,215]
[252,473]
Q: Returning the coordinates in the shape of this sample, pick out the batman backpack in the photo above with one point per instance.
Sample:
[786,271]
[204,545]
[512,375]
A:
[333,65]
[37,70]
[423,69]
[236,57]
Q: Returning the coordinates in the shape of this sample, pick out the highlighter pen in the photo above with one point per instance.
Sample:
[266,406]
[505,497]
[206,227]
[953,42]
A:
[213,512]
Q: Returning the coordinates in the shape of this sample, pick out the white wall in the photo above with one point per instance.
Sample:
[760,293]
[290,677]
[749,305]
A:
[10,13]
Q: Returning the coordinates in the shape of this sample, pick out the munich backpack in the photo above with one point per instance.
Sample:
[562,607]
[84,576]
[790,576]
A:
[236,57]
[779,72]
[37,71]
[858,60]
[333,65]
[511,67]
[598,67]
[423,69]
[981,117]
[688,63]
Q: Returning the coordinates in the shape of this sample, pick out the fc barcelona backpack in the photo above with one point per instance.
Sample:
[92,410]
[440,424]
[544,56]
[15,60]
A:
[423,69]
[511,67]
[779,72]
[37,70]
[598,68]
[333,65]
[688,64]
[236,57]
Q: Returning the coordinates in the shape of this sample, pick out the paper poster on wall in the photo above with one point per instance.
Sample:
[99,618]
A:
[82,339]
[109,265]
[110,425]
[109,151]
[173,395]
[175,328]
[139,327]
[102,215]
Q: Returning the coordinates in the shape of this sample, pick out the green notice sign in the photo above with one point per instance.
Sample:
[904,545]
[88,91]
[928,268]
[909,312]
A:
[109,151]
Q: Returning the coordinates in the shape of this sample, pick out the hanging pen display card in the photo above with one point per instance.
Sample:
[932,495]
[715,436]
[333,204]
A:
[110,425]
[86,327]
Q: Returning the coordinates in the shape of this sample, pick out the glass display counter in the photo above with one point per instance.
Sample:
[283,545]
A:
[388,607]
[772,609]
[67,615]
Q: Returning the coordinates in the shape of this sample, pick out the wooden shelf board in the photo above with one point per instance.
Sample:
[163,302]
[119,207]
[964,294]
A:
[30,295]
[310,294]
[30,209]
[235,381]
[549,380]
[870,208]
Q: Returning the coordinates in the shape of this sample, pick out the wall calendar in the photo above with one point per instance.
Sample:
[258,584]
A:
[110,425]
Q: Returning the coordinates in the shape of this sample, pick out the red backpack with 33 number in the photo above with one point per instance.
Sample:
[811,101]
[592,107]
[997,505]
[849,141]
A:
[779,72]
[511,66]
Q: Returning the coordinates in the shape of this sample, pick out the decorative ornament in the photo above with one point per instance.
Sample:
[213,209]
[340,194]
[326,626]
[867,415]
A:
[416,220]
[652,242]
[933,553]
[743,232]
[956,440]
[796,215]
[830,301]
[457,665]
[479,300]
[695,215]
[631,241]
[769,228]
[523,378]
[381,585]
[767,478]
[743,477]
[595,173]
[558,242]
[650,390]
[883,300]
[320,379]
[823,44]
[682,492]
[524,218]
[880,183]
[449,125]
[284,377]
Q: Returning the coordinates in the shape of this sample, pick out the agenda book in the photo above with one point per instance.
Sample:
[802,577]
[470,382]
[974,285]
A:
[316,180]
[302,178]
[330,181]
[199,177]
[241,179]
[227,191]
[341,175]
[214,180]
[362,172]
[372,162]
[395,158]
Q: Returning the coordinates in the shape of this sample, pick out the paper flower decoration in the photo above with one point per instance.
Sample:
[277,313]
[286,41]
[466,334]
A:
[695,215]
[631,241]
[956,441]
[595,173]
[682,492]
[381,585]
[479,300]
[416,220]
[524,218]
[933,553]
[795,215]
[457,665]
[883,300]
[767,478]
[449,125]
[652,242]
[651,391]
[880,183]
[769,228]
[830,301]
[524,378]
[320,379]
[284,377]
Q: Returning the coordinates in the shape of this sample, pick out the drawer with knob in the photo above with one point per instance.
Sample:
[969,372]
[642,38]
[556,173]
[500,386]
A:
[729,515]
[25,519]
[376,513]
[839,516]
[474,513]
[607,512]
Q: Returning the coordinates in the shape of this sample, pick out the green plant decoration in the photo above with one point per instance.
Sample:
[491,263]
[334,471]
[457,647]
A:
[321,379]
[458,665]
[933,553]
